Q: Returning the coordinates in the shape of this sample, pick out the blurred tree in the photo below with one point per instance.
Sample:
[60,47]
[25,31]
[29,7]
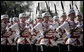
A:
[13,8]
[81,7]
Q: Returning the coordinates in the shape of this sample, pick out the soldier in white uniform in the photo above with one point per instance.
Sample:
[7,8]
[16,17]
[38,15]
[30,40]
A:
[19,27]
[5,41]
[62,19]
[14,20]
[45,42]
[37,30]
[55,25]
[68,27]
[13,36]
[3,26]
[79,22]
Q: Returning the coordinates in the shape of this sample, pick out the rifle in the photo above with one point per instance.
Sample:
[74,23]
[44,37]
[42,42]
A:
[76,7]
[55,10]
[37,9]
[48,9]
[62,6]
[72,4]
[35,40]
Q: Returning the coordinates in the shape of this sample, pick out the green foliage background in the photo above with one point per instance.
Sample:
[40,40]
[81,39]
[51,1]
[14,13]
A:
[81,7]
[13,9]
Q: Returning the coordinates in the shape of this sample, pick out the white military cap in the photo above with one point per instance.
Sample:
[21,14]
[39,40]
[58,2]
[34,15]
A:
[62,14]
[15,18]
[55,17]
[4,16]
[38,16]
[71,11]
[22,15]
[46,14]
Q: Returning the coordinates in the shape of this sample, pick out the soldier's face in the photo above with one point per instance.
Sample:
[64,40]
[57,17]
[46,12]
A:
[46,18]
[23,19]
[16,21]
[39,20]
[56,20]
[31,22]
[5,19]
[72,15]
[78,18]
[63,17]
[51,21]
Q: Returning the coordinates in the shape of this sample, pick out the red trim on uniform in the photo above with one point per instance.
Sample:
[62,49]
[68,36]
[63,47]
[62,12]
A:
[75,36]
[65,21]
[48,37]
[35,31]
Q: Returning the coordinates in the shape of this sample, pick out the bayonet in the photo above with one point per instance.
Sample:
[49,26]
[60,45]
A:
[48,9]
[62,6]
[70,6]
[55,10]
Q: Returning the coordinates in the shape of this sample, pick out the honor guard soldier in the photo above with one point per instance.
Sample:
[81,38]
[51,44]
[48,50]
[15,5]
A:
[37,30]
[79,22]
[69,27]
[19,28]
[5,41]
[13,36]
[62,19]
[45,42]
[56,25]
[32,38]
[22,41]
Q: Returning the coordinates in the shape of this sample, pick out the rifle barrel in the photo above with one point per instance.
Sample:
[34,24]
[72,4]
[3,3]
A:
[62,5]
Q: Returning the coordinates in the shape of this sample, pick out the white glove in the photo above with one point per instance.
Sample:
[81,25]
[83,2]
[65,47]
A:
[79,25]
[8,29]
[58,36]
[68,35]
[51,27]
[42,36]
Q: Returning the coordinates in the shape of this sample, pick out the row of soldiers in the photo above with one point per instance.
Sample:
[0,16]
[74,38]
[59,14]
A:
[45,33]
